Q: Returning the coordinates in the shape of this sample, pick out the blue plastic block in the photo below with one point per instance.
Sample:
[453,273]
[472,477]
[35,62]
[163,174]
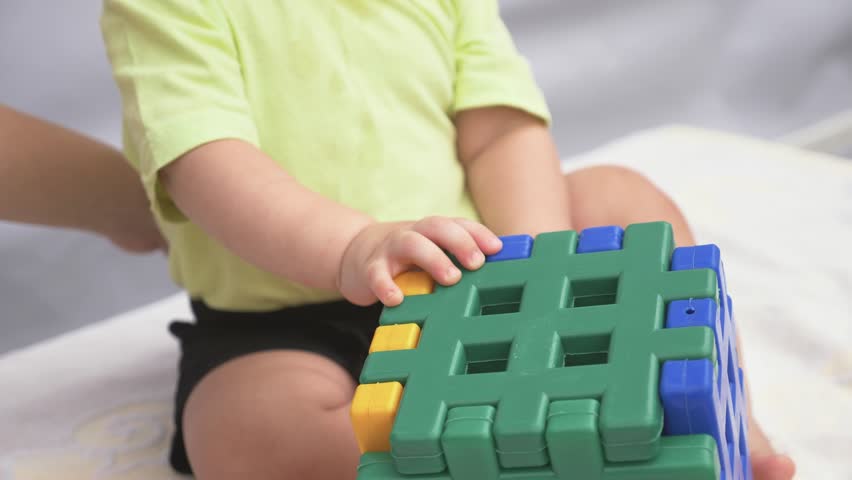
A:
[742,447]
[689,397]
[515,247]
[600,239]
[698,396]
[696,312]
[701,256]
[705,256]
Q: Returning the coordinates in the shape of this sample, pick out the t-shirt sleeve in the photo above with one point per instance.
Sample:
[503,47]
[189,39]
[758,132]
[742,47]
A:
[180,80]
[489,69]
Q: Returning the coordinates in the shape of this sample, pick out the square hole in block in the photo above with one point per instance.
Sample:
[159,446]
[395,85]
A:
[732,384]
[484,358]
[497,300]
[717,372]
[732,362]
[729,428]
[587,350]
[592,292]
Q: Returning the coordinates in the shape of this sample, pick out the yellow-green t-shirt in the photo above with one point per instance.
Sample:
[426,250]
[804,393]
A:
[354,98]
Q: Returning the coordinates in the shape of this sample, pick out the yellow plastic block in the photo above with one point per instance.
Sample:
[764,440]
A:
[415,283]
[395,337]
[373,412]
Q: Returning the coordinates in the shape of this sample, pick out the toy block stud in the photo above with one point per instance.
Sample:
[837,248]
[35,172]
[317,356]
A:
[600,239]
[573,438]
[415,283]
[403,336]
[373,411]
[515,247]
[469,444]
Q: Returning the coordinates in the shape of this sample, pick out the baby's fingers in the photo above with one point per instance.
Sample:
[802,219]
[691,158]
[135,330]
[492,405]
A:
[380,281]
[453,237]
[411,248]
[487,241]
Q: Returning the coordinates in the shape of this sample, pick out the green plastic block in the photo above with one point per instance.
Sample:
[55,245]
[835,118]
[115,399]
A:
[686,457]
[572,433]
[468,443]
[561,348]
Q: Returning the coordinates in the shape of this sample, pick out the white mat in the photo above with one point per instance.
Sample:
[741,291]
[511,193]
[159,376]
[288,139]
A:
[95,404]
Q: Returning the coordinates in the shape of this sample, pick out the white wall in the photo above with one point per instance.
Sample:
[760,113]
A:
[761,67]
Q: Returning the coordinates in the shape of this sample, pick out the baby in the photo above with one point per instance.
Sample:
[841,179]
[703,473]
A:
[298,155]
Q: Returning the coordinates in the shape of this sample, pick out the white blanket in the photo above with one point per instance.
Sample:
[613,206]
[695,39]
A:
[95,403]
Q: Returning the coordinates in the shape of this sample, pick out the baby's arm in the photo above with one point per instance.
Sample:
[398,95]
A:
[503,141]
[52,176]
[237,194]
[513,170]
[265,216]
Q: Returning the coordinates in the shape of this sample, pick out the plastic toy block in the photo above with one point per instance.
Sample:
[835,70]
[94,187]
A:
[549,366]
[700,396]
[415,283]
[573,437]
[515,247]
[600,239]
[678,460]
[374,408]
[395,337]
[468,443]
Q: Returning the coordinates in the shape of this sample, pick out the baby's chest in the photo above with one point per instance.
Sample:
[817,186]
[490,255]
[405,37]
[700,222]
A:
[383,51]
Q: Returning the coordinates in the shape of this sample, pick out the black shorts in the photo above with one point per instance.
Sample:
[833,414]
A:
[339,330]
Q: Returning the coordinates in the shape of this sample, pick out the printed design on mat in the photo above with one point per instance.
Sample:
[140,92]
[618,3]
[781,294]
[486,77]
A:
[127,442]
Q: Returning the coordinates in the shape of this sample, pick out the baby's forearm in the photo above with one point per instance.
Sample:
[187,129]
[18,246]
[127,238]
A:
[52,176]
[241,197]
[514,177]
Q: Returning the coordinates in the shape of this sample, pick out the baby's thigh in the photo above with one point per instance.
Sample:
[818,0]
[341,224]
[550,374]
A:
[276,414]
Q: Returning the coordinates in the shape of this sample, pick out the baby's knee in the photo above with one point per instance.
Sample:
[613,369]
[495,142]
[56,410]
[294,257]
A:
[268,419]
[612,178]
[295,442]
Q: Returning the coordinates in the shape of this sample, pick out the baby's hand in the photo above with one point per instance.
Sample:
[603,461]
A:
[766,463]
[381,251]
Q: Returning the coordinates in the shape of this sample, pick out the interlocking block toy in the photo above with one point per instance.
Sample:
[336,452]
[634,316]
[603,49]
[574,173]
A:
[415,283]
[604,355]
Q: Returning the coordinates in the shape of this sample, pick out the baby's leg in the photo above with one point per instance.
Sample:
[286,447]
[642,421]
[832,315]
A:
[619,196]
[272,415]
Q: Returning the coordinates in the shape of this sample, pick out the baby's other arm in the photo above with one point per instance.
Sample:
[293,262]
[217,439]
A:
[53,176]
[513,171]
